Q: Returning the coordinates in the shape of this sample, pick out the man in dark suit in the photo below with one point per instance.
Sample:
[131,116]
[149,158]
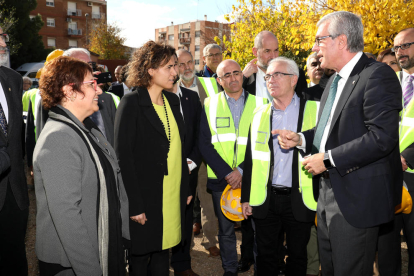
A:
[314,93]
[356,161]
[266,48]
[14,199]
[283,209]
[191,110]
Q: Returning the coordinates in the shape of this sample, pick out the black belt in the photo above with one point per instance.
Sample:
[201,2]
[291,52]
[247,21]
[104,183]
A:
[281,191]
[325,175]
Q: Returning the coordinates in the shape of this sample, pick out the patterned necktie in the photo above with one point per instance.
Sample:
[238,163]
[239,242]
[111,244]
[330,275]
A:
[408,90]
[3,121]
[325,115]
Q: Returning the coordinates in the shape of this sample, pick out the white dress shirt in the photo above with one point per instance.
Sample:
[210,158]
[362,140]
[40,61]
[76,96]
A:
[261,89]
[3,102]
[344,73]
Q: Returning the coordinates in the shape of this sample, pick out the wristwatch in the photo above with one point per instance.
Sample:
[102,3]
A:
[327,161]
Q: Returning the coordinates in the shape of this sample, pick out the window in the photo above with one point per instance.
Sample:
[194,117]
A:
[197,34]
[73,43]
[197,48]
[51,22]
[196,62]
[51,42]
[50,3]
[170,37]
[32,16]
[96,14]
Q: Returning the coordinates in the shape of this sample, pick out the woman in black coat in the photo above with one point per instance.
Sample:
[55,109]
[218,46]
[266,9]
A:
[149,142]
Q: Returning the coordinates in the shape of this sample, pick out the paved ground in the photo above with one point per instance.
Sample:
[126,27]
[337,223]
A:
[201,262]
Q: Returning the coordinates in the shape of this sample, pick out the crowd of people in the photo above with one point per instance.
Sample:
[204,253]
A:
[126,173]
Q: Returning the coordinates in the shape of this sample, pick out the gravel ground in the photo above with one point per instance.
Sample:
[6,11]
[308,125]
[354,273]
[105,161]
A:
[202,263]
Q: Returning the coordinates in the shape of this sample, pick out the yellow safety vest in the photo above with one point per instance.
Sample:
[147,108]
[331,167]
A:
[407,128]
[25,101]
[229,143]
[209,85]
[115,98]
[260,133]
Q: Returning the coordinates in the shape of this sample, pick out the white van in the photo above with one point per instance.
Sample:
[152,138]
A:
[30,69]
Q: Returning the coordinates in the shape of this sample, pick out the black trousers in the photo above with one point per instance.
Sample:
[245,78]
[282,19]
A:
[157,262]
[280,217]
[408,225]
[246,247]
[13,224]
[389,247]
[180,258]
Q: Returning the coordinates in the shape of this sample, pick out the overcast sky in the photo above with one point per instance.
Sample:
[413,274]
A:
[140,18]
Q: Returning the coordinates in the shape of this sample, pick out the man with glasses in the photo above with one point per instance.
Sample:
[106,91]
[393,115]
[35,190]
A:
[355,157]
[404,53]
[224,128]
[212,56]
[274,199]
[14,199]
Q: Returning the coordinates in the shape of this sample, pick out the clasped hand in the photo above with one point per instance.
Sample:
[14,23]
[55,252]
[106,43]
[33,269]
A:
[234,179]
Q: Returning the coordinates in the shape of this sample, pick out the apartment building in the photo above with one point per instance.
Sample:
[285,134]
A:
[193,36]
[67,22]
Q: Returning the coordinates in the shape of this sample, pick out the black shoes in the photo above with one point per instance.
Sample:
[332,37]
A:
[244,265]
[228,273]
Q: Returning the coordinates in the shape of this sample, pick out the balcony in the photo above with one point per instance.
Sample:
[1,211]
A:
[186,30]
[74,12]
[98,15]
[185,40]
[74,32]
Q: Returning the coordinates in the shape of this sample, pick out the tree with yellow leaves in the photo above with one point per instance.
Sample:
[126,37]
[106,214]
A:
[105,39]
[294,23]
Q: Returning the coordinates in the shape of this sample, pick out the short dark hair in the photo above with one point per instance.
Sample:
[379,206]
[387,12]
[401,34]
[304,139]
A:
[151,55]
[59,72]
[385,53]
[124,73]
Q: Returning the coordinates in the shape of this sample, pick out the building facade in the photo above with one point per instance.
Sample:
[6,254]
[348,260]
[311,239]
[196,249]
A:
[193,36]
[67,22]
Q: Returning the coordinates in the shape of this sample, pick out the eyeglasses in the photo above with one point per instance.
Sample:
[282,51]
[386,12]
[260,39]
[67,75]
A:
[276,76]
[315,64]
[5,37]
[214,55]
[402,47]
[92,81]
[187,64]
[318,39]
[228,75]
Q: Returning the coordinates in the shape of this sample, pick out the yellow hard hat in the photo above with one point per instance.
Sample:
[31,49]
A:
[230,204]
[39,73]
[406,203]
[56,53]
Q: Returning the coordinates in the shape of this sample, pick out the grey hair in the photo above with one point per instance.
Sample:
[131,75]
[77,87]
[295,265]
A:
[27,79]
[211,46]
[259,38]
[182,51]
[73,51]
[313,55]
[291,66]
[346,23]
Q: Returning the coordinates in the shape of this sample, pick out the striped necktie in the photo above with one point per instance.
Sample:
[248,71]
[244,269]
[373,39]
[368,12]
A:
[325,115]
[408,90]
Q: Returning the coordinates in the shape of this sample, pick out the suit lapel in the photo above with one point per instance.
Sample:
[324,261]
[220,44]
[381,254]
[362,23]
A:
[150,112]
[201,92]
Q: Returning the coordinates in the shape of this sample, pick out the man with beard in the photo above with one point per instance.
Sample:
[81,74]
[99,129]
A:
[189,80]
[226,114]
[14,200]
[315,71]
[404,53]
[266,48]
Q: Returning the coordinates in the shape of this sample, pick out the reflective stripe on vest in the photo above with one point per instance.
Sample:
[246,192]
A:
[35,99]
[231,146]
[407,129]
[209,85]
[260,133]
[310,117]
[115,98]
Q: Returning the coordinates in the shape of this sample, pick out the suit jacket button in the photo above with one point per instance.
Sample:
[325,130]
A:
[347,171]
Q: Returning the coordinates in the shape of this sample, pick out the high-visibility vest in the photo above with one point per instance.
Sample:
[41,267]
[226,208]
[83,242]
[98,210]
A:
[407,128]
[260,133]
[25,101]
[209,85]
[229,143]
[310,117]
[115,98]
[35,100]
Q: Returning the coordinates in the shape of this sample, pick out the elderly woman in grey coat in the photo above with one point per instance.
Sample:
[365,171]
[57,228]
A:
[82,207]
